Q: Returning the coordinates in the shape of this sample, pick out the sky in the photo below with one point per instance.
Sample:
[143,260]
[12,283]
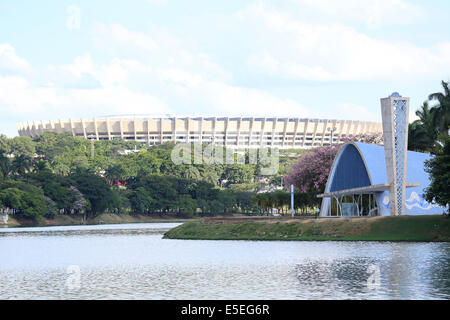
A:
[294,58]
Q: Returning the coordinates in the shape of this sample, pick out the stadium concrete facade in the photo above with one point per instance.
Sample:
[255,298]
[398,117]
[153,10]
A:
[245,132]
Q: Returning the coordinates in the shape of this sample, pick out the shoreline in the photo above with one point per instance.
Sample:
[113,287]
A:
[427,228]
[105,218]
[430,228]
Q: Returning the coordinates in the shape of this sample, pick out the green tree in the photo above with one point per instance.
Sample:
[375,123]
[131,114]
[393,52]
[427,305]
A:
[209,174]
[4,143]
[160,189]
[422,132]
[191,172]
[228,199]
[114,173]
[27,199]
[433,123]
[439,169]
[94,188]
[41,165]
[50,144]
[12,198]
[238,173]
[441,112]
[5,164]
[186,205]
[121,202]
[141,200]
[22,146]
[419,139]
[21,164]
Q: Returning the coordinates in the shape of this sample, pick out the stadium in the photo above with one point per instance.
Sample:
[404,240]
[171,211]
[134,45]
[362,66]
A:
[238,132]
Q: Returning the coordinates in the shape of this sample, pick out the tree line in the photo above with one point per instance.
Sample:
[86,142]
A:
[58,174]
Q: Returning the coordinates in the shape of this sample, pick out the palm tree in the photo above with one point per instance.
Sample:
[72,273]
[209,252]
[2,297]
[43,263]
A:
[5,164]
[419,138]
[21,164]
[422,132]
[41,165]
[441,111]
[426,117]
[191,173]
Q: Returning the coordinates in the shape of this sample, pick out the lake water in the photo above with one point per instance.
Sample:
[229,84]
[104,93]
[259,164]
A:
[134,262]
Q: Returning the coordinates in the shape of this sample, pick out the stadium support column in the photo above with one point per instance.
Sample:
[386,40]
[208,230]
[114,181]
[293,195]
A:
[261,136]
[324,131]
[108,128]
[174,129]
[214,131]
[121,128]
[252,120]
[83,125]
[295,132]
[134,129]
[274,128]
[284,131]
[305,132]
[394,113]
[200,138]
[71,127]
[96,129]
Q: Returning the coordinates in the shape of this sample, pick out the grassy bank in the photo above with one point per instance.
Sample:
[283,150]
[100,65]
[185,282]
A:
[106,218]
[406,228]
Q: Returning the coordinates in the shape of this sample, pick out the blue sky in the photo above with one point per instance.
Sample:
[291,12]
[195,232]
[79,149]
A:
[306,58]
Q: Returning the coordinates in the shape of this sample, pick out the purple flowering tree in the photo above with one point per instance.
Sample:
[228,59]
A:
[309,175]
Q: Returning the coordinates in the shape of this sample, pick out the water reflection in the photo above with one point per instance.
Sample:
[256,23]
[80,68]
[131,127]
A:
[134,262]
[343,279]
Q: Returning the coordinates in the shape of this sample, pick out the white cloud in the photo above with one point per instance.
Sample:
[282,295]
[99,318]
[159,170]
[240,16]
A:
[334,52]
[374,13]
[10,61]
[235,100]
[351,111]
[159,58]
[74,19]
[156,48]
[115,35]
[81,65]
[19,97]
[225,99]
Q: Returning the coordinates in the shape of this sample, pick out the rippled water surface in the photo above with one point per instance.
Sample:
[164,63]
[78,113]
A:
[134,262]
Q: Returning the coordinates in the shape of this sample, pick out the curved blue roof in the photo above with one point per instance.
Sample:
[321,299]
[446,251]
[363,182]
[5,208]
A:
[376,164]
[373,156]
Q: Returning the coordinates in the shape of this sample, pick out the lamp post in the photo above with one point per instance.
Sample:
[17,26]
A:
[292,200]
[331,161]
[331,141]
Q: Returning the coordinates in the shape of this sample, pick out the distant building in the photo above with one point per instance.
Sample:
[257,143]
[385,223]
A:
[244,132]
